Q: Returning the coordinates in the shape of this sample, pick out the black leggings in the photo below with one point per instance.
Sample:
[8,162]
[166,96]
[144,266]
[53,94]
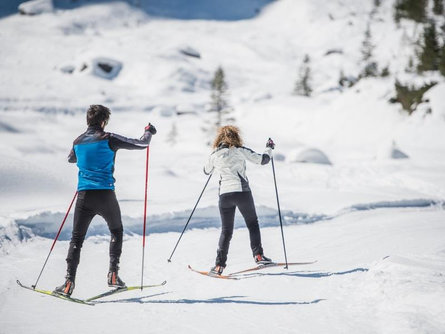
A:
[90,203]
[227,204]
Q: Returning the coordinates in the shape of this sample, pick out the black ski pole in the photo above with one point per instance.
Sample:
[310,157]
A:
[55,239]
[188,220]
[279,211]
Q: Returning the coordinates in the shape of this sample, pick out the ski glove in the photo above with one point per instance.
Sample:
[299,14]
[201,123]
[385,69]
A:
[150,128]
[270,143]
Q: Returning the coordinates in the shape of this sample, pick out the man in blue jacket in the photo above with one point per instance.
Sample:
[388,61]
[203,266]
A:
[94,151]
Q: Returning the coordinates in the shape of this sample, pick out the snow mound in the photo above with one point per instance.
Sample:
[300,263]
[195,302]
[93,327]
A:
[36,7]
[310,155]
[11,234]
[94,16]
[46,224]
[279,156]
[407,290]
[391,151]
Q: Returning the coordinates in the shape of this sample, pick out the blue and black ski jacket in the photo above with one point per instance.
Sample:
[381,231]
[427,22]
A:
[94,152]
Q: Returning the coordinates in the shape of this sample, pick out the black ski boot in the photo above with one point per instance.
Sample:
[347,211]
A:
[114,281]
[67,288]
[216,270]
[262,260]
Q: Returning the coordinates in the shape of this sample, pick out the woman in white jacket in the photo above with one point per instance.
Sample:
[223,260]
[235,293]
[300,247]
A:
[229,160]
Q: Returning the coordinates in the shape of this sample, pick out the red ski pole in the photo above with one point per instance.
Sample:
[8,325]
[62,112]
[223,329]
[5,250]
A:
[55,239]
[145,215]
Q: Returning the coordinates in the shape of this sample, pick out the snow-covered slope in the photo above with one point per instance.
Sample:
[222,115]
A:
[376,273]
[376,268]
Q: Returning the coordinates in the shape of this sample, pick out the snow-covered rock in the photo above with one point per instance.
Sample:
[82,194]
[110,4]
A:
[189,51]
[106,68]
[68,69]
[36,7]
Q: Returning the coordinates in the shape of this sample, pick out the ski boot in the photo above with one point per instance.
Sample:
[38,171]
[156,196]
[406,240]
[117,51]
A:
[216,270]
[262,260]
[114,280]
[67,288]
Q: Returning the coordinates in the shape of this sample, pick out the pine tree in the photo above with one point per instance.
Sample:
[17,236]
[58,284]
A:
[370,69]
[410,9]
[430,52]
[438,7]
[303,84]
[367,47]
[219,103]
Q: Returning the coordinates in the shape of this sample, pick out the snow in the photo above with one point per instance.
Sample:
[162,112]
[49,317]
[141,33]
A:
[35,7]
[106,68]
[376,273]
[374,224]
[310,155]
[391,151]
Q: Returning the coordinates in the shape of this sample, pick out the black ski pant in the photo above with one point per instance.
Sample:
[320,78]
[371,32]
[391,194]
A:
[89,204]
[228,203]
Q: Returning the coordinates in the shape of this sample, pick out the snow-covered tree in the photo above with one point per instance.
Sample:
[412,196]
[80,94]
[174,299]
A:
[438,7]
[220,110]
[370,69]
[303,84]
[367,46]
[219,99]
[442,60]
[429,55]
[410,9]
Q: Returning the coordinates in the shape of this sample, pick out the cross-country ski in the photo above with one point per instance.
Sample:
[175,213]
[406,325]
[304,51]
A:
[271,265]
[54,294]
[213,275]
[120,290]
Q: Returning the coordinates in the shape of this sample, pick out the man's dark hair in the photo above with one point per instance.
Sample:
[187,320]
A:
[97,114]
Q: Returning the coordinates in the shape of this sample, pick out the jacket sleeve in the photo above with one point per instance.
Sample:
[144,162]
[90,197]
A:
[257,158]
[209,167]
[72,158]
[117,141]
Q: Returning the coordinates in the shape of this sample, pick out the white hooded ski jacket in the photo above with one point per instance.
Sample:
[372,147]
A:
[230,163]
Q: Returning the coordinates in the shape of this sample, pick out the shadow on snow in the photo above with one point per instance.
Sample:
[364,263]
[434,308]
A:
[217,300]
[309,274]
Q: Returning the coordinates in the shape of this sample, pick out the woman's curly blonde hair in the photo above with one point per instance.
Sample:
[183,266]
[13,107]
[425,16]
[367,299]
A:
[229,135]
